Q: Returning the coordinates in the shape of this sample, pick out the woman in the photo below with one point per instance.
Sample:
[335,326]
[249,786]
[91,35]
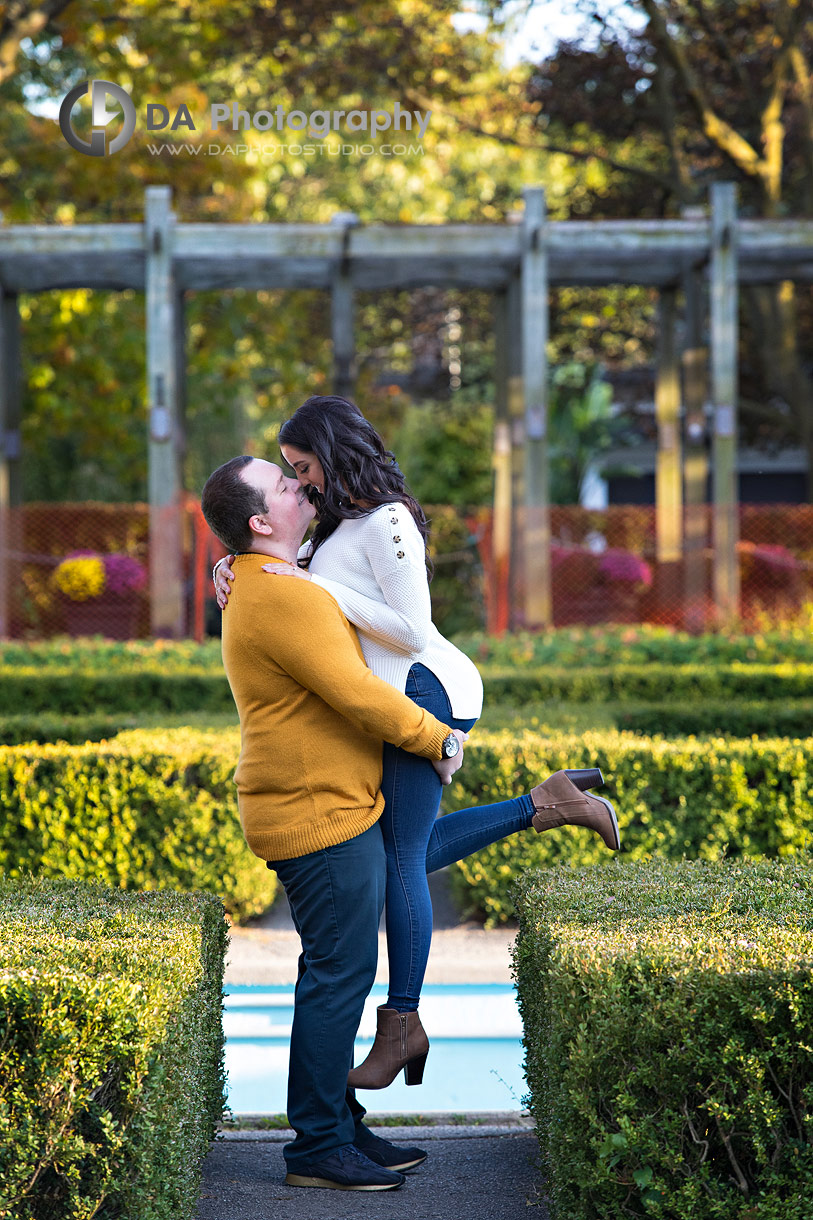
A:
[368,551]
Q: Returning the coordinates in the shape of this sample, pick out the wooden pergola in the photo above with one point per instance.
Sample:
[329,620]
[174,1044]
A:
[517,263]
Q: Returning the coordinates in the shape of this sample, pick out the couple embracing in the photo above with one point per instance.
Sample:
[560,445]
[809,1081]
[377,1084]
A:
[354,712]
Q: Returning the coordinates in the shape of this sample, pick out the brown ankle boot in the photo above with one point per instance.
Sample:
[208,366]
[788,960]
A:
[400,1042]
[558,802]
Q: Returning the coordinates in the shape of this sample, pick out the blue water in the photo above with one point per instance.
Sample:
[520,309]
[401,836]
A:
[475,1060]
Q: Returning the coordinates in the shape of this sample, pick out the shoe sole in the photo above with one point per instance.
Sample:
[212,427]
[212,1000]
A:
[406,1165]
[295,1179]
[613,819]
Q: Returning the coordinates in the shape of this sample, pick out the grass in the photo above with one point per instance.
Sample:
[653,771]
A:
[279,1122]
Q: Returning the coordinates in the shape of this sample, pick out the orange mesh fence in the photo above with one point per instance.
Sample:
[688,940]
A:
[604,569]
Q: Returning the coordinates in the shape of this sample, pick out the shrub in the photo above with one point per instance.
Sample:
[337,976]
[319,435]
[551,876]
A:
[149,688]
[749,797]
[668,1014]
[145,811]
[634,645]
[595,684]
[136,690]
[743,718]
[111,1049]
[49,726]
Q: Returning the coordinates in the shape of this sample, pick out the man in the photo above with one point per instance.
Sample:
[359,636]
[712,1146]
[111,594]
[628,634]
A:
[313,718]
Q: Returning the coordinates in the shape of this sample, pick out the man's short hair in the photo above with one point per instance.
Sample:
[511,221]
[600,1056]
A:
[228,501]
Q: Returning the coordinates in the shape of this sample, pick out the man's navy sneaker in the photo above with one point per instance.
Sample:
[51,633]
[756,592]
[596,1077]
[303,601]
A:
[347,1169]
[383,1152]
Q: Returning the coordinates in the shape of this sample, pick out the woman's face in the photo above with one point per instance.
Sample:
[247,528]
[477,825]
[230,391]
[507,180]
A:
[307,466]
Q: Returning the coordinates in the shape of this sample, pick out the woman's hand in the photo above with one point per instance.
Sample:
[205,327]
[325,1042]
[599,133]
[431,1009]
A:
[446,767]
[286,569]
[223,576]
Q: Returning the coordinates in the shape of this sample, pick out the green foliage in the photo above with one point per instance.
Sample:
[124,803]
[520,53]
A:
[111,656]
[137,690]
[445,451]
[672,798]
[635,645]
[457,587]
[582,427]
[564,646]
[111,1049]
[49,726]
[650,682]
[668,1014]
[740,718]
[146,811]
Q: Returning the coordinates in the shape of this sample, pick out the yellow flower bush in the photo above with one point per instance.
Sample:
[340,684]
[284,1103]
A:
[81,578]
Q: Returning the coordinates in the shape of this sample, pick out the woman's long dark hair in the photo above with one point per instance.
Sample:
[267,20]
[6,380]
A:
[357,466]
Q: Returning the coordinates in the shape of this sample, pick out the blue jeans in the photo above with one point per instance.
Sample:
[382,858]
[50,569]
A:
[336,897]
[417,842]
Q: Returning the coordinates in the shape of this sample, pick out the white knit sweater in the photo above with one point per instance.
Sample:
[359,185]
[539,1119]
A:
[375,569]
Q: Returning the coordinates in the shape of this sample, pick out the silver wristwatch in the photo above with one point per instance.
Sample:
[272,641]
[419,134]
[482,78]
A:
[450,747]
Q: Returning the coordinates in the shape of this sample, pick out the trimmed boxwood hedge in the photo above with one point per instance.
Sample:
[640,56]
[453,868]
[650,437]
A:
[148,810]
[650,683]
[111,1049]
[151,689]
[743,718]
[50,726]
[120,691]
[668,1014]
[684,796]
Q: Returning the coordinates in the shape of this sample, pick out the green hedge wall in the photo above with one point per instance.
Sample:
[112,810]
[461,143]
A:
[668,1014]
[743,718]
[654,682]
[111,1049]
[146,811]
[149,689]
[639,644]
[51,726]
[689,796]
[115,691]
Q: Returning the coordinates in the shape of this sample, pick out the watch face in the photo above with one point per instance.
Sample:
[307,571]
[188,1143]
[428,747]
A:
[450,746]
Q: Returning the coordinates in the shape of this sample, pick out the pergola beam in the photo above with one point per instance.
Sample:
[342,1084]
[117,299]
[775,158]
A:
[34,258]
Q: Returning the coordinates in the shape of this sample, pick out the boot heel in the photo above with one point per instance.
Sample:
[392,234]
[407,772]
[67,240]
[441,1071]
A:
[587,777]
[413,1071]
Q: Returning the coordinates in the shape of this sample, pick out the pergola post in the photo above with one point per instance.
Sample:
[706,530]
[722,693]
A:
[696,462]
[342,312]
[10,454]
[668,472]
[516,423]
[534,281]
[724,301]
[164,467]
[499,600]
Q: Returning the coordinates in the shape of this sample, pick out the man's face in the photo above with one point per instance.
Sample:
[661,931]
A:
[289,510]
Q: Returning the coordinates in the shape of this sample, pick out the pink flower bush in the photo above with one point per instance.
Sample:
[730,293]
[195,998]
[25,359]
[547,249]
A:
[124,574]
[625,567]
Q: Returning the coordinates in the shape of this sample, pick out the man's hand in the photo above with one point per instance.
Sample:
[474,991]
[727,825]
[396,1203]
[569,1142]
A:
[223,576]
[446,767]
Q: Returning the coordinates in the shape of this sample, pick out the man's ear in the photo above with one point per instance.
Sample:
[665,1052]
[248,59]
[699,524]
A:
[259,525]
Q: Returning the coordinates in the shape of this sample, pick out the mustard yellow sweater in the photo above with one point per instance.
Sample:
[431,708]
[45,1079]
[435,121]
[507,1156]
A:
[313,717]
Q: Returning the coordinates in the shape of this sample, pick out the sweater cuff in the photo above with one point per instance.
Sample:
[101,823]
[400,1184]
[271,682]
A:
[437,741]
